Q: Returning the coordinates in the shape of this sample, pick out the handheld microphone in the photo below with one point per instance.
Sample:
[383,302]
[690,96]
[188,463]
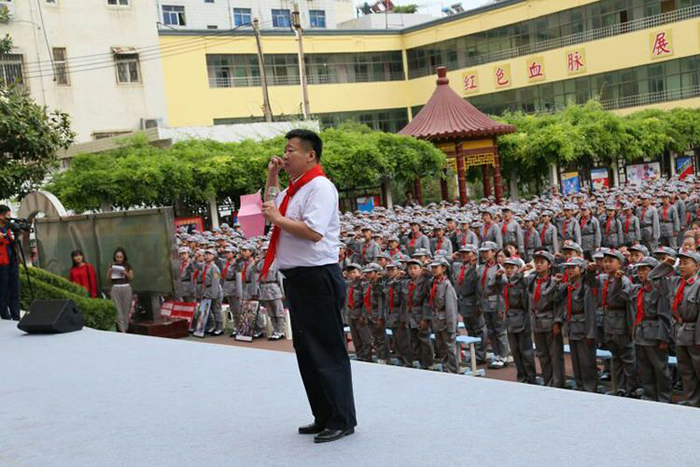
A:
[272,193]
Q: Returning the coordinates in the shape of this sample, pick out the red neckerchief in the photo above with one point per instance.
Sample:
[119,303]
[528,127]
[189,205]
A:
[607,225]
[411,289]
[351,297]
[605,292]
[487,266]
[412,243]
[527,238]
[391,299]
[364,250]
[182,267]
[679,297]
[538,289]
[226,266]
[393,253]
[644,210]
[504,228]
[461,274]
[627,224]
[294,186]
[366,301]
[464,238]
[571,289]
[664,210]
[584,221]
[204,277]
[566,226]
[544,230]
[438,246]
[433,289]
[245,269]
[640,303]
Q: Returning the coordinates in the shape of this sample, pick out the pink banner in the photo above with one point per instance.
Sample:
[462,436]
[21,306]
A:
[250,215]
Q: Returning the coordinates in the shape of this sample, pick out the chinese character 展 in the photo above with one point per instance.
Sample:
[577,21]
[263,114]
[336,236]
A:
[661,45]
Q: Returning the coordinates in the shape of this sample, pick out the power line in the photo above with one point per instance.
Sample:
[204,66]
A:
[74,62]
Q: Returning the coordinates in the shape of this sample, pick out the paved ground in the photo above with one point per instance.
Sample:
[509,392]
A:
[109,399]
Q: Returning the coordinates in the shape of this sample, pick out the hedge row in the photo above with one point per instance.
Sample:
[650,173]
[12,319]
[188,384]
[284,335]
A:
[59,281]
[99,313]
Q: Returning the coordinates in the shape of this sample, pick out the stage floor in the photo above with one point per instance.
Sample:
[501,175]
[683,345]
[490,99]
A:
[99,398]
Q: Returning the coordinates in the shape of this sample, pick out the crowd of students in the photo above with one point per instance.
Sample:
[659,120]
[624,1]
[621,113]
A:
[598,270]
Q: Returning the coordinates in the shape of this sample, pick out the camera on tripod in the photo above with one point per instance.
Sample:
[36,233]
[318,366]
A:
[17,225]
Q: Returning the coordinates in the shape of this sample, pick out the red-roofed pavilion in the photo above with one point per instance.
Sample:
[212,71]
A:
[461,131]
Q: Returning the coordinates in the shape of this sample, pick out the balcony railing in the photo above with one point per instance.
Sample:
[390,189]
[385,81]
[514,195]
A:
[312,79]
[652,98]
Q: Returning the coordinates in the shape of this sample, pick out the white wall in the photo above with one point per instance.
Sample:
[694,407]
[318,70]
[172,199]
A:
[201,15]
[88,29]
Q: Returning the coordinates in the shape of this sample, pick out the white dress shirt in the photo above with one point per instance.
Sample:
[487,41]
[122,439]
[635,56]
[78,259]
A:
[316,204]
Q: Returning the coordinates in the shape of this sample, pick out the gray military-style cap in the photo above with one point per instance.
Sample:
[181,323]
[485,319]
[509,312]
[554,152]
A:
[544,254]
[372,267]
[575,262]
[488,246]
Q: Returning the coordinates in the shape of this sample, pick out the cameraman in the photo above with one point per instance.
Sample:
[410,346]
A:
[9,269]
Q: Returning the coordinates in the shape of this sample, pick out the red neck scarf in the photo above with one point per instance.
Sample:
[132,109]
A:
[664,211]
[640,303]
[412,243]
[183,266]
[464,238]
[351,297]
[294,186]
[228,263]
[487,266]
[433,289]
[505,296]
[679,297]
[544,230]
[411,289]
[461,274]
[627,224]
[566,226]
[391,299]
[204,276]
[538,289]
[367,301]
[504,228]
[607,225]
[584,221]
[605,293]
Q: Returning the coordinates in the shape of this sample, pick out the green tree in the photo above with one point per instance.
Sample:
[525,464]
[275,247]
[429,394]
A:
[5,42]
[410,9]
[30,138]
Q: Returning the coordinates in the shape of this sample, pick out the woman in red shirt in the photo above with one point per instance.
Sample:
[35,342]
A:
[83,273]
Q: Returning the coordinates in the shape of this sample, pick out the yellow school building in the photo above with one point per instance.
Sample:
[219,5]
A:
[528,55]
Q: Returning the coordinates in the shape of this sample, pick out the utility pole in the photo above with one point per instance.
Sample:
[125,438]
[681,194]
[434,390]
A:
[296,22]
[261,68]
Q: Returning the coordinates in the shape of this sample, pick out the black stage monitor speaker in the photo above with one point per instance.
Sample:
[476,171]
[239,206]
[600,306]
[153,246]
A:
[51,317]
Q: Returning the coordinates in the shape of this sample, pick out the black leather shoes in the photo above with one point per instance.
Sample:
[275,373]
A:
[311,429]
[328,435]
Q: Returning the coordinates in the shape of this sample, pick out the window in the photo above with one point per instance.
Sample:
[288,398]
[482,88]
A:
[174,15]
[317,18]
[128,70]
[281,19]
[52,2]
[60,64]
[118,2]
[212,26]
[241,16]
[208,1]
[11,66]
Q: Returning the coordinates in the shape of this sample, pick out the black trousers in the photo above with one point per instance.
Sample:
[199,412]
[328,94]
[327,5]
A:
[316,296]
[9,292]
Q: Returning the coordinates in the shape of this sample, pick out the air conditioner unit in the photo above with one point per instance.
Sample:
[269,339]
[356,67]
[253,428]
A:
[147,123]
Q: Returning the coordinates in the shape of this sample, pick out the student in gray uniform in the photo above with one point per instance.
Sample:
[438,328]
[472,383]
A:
[581,328]
[249,283]
[417,240]
[570,228]
[465,282]
[631,229]
[511,232]
[442,301]
[669,222]
[396,313]
[491,304]
[548,233]
[684,291]
[366,249]
[531,238]
[271,296]
[517,319]
[614,289]
[231,287]
[652,332]
[490,231]
[547,319]
[680,206]
[649,223]
[415,296]
[357,318]
[186,272]
[440,242]
[466,236]
[591,237]
[373,301]
[611,227]
[211,289]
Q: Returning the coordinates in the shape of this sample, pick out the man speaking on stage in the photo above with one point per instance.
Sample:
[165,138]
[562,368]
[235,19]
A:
[305,243]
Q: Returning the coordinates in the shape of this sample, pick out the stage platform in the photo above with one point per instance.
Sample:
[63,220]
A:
[99,398]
